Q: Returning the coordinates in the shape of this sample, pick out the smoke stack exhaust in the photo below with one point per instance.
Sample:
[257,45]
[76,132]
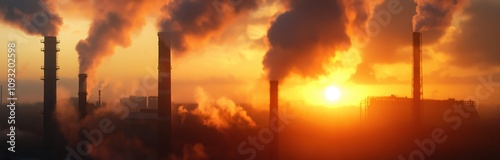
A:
[417,76]
[164,95]
[274,119]
[82,95]
[52,140]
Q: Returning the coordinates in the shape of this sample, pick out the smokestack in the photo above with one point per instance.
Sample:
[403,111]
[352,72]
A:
[273,118]
[82,95]
[99,102]
[52,140]
[164,95]
[417,76]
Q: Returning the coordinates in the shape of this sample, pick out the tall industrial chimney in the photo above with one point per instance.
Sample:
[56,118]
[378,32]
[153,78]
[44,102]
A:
[417,77]
[164,95]
[273,109]
[52,141]
[82,95]
[99,101]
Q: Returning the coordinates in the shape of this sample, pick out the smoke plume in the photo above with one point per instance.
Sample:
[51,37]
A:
[220,114]
[305,37]
[113,25]
[192,22]
[436,14]
[34,17]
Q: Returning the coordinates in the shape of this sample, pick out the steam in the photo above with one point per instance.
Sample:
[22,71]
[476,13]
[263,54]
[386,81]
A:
[192,22]
[113,25]
[306,37]
[220,114]
[34,17]
[435,14]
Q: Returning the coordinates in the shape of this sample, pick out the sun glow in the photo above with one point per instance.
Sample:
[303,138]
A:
[332,93]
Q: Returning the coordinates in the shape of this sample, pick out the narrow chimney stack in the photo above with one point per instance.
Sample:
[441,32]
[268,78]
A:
[417,77]
[164,95]
[273,118]
[52,140]
[99,102]
[82,95]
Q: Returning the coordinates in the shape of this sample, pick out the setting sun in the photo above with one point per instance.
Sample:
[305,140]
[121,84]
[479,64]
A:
[332,93]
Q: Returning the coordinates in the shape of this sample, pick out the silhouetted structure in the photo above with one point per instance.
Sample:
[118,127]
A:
[273,118]
[99,101]
[82,95]
[417,77]
[153,102]
[52,139]
[134,103]
[397,111]
[164,95]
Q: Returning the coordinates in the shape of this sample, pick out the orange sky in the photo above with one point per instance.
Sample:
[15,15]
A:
[229,63]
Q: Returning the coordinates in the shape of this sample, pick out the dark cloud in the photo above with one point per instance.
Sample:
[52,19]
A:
[191,22]
[386,41]
[306,37]
[477,43]
[436,14]
[34,17]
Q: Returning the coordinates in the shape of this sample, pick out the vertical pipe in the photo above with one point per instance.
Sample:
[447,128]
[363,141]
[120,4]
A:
[99,102]
[164,95]
[274,119]
[82,95]
[51,136]
[417,77]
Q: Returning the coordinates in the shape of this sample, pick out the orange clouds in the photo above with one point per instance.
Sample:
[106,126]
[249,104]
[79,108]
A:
[34,17]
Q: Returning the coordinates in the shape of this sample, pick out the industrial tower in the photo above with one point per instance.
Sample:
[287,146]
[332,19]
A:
[52,139]
[417,77]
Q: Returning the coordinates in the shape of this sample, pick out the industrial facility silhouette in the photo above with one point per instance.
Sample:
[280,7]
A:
[154,124]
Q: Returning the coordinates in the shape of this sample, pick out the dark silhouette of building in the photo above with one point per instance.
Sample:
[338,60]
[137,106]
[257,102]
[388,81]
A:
[164,95]
[52,139]
[153,102]
[397,111]
[134,103]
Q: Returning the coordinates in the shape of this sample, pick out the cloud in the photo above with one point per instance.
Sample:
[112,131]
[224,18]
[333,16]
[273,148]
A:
[305,37]
[33,17]
[113,25]
[476,42]
[193,22]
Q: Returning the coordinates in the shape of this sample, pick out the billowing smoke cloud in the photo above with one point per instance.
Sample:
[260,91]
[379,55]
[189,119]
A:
[34,17]
[220,114]
[436,14]
[113,25]
[306,37]
[191,22]
[359,13]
